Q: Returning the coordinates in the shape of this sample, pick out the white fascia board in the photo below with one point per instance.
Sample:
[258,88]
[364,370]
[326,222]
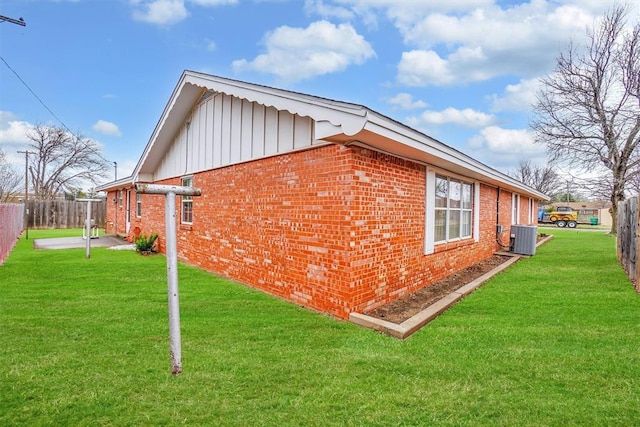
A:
[115,185]
[345,118]
[348,119]
[174,115]
[396,131]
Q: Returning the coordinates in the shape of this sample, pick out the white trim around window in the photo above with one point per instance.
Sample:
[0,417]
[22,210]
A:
[476,211]
[451,209]
[515,208]
[186,211]
[533,213]
[138,205]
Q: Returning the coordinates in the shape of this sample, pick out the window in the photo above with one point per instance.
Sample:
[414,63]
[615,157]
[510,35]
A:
[532,211]
[120,198]
[138,205]
[453,209]
[187,202]
[515,205]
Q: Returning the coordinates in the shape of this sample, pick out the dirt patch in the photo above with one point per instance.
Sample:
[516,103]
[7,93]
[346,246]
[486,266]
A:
[409,305]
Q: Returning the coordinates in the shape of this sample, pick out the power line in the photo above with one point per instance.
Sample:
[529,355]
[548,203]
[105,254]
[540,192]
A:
[18,21]
[43,104]
[37,97]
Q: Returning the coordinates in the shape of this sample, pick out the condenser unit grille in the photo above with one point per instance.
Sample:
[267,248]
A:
[523,239]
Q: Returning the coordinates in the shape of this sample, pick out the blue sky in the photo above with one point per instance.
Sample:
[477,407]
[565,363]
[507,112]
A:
[464,72]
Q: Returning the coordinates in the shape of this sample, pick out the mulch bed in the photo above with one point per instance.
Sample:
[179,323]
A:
[409,305]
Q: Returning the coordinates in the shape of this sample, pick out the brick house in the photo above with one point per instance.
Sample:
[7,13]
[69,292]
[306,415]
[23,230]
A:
[327,204]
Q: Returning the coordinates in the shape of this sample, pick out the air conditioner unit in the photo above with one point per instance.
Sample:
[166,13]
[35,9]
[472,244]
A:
[523,239]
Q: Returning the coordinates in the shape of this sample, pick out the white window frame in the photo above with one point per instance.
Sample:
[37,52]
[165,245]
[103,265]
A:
[119,198]
[138,205]
[533,213]
[430,209]
[515,208]
[186,205]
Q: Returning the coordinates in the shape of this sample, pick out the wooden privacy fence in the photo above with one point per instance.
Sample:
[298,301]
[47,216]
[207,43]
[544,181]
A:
[627,238]
[63,213]
[11,222]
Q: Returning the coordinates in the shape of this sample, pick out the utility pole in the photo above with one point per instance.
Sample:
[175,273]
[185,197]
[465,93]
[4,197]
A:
[18,21]
[26,189]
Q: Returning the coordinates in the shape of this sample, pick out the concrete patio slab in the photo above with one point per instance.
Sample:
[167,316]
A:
[77,242]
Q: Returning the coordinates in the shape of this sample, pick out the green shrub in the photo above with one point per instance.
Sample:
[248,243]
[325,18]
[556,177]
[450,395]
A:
[145,244]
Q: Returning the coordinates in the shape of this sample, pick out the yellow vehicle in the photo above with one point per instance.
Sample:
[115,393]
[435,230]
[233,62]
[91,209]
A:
[562,216]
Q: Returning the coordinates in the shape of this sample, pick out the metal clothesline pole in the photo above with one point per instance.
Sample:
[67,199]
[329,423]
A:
[170,192]
[87,225]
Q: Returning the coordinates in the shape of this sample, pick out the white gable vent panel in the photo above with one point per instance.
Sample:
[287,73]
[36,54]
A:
[523,239]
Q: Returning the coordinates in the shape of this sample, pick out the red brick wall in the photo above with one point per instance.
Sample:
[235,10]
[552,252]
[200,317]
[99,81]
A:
[337,229]
[116,214]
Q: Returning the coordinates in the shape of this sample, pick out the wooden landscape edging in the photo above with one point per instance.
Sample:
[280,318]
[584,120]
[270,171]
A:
[414,323]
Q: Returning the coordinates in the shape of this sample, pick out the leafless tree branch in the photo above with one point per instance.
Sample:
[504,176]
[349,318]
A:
[588,111]
[62,161]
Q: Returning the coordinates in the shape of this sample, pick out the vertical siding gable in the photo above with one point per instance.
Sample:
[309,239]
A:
[224,130]
[217,131]
[271,132]
[258,133]
[246,131]
[208,134]
[236,130]
[285,131]
[303,132]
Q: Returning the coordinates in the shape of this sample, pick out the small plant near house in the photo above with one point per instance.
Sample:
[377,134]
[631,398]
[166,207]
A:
[145,244]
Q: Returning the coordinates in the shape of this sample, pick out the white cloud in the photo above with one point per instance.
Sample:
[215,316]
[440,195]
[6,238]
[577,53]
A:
[213,2]
[211,45]
[467,118]
[13,131]
[162,12]
[485,41]
[506,147]
[421,68]
[106,128]
[406,102]
[13,137]
[319,7]
[518,97]
[295,54]
[169,12]
[501,140]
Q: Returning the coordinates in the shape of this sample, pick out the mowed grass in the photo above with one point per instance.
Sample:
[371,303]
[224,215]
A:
[554,340]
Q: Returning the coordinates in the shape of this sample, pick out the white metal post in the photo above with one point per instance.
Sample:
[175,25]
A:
[170,192]
[88,227]
[175,346]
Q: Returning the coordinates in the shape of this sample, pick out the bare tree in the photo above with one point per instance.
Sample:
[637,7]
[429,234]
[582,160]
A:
[542,178]
[10,180]
[588,111]
[62,161]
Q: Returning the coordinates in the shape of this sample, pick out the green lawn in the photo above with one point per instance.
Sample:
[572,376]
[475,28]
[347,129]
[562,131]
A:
[555,340]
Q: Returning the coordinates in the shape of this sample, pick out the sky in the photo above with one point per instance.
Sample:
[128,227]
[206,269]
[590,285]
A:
[464,72]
